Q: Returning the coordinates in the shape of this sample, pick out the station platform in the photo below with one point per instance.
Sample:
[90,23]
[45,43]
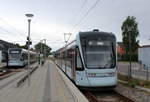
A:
[47,84]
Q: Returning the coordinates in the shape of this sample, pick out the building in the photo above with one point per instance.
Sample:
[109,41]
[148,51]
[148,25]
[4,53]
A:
[4,45]
[120,50]
[144,55]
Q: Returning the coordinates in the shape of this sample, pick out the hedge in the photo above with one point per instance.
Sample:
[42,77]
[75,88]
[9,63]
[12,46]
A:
[126,57]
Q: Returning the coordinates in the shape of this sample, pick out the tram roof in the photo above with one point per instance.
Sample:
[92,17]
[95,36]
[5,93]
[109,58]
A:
[24,50]
[96,33]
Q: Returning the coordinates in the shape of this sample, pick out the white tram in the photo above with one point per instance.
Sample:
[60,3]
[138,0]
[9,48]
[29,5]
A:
[90,60]
[19,57]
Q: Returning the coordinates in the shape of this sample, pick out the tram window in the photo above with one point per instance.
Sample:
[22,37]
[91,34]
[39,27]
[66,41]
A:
[69,56]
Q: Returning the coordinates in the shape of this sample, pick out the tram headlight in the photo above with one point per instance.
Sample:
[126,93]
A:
[92,74]
[111,74]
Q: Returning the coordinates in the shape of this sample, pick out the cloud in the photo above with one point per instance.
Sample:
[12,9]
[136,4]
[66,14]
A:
[52,19]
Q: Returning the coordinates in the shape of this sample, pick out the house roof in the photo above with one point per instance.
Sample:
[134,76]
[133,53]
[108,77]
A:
[120,43]
[144,46]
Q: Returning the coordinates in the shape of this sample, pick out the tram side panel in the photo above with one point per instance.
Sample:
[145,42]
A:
[66,62]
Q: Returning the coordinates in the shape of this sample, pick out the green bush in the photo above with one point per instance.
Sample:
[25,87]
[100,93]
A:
[126,57]
[133,83]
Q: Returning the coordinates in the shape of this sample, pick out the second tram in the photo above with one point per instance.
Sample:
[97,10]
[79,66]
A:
[19,57]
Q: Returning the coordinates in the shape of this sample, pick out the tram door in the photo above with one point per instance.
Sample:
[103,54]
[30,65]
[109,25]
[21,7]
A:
[73,64]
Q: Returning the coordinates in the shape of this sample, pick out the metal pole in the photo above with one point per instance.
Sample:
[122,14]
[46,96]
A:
[130,70]
[130,52]
[65,56]
[41,55]
[65,49]
[29,20]
[28,43]
[45,50]
[147,74]
[66,40]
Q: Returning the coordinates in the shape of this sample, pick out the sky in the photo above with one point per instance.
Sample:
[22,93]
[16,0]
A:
[53,18]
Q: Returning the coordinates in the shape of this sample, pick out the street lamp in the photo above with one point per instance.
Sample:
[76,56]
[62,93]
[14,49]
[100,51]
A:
[29,16]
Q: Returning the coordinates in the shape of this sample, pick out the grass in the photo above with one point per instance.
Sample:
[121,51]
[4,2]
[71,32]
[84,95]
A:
[128,61]
[132,82]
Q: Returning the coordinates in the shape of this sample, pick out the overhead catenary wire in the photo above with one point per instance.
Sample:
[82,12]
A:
[85,1]
[84,16]
[35,41]
[4,30]
[7,32]
[13,28]
[78,12]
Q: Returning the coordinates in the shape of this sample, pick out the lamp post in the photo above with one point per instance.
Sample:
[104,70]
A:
[29,16]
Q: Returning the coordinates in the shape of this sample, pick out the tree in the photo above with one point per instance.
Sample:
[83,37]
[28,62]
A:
[41,47]
[23,46]
[17,45]
[130,33]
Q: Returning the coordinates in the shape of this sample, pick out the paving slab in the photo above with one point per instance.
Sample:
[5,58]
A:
[46,85]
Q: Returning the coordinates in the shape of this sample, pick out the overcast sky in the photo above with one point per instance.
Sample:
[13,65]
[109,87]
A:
[53,18]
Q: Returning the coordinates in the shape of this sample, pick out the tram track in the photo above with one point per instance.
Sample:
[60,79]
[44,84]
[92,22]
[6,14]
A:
[10,81]
[7,72]
[7,81]
[4,73]
[105,96]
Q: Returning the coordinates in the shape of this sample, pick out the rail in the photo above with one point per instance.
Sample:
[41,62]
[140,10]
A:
[105,96]
[90,96]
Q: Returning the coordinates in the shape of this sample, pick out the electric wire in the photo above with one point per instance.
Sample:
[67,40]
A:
[85,1]
[7,32]
[89,10]
[84,16]
[4,30]
[78,12]
[12,27]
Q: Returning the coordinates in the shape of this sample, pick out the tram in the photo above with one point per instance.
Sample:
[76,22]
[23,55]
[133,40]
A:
[90,60]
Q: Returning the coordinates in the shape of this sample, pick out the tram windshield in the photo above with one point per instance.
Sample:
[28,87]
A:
[99,53]
[14,54]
